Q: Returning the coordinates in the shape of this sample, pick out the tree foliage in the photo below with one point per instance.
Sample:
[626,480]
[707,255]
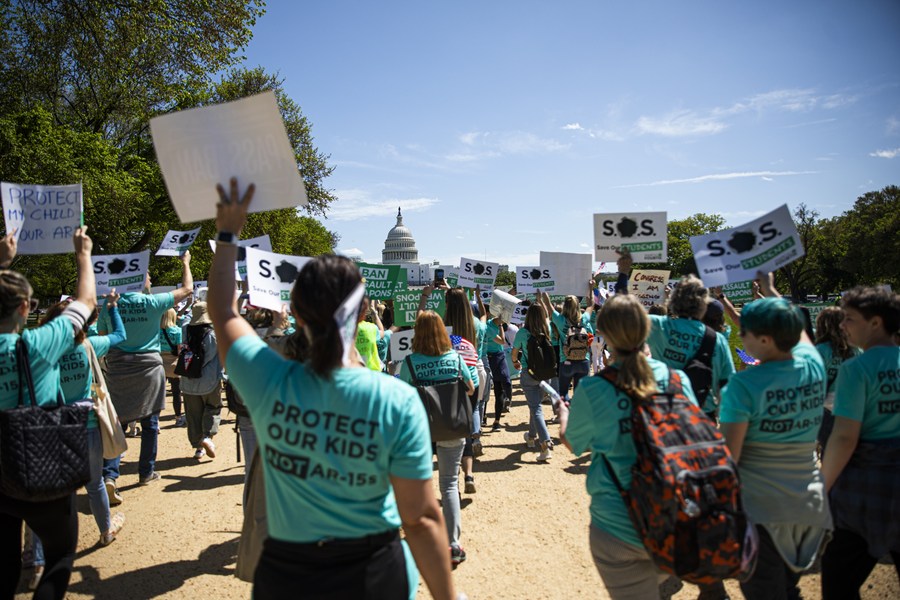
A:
[681,256]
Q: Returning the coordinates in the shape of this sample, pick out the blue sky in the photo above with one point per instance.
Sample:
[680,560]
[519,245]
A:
[500,127]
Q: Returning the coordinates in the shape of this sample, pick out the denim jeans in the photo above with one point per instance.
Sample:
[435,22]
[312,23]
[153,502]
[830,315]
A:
[772,579]
[485,390]
[534,395]
[480,399]
[502,384]
[95,489]
[449,455]
[147,458]
[571,371]
[33,554]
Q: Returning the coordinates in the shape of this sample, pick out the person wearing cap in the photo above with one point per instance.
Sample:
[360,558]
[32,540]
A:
[135,374]
[202,395]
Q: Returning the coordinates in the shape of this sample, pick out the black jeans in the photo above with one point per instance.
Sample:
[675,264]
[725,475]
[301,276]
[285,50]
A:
[56,524]
[847,564]
[175,382]
[502,383]
[772,579]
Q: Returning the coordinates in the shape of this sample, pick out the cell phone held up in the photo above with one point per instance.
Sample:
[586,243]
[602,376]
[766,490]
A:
[438,276]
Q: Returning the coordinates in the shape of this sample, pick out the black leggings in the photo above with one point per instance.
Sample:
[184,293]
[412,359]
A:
[373,567]
[847,564]
[56,524]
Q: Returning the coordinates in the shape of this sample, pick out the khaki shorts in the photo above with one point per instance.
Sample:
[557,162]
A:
[627,571]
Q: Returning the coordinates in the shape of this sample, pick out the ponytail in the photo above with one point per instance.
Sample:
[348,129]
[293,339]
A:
[625,326]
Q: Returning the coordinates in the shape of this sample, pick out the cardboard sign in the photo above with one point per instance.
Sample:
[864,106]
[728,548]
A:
[176,243]
[649,286]
[474,272]
[271,276]
[201,147]
[531,279]
[44,217]
[518,314]
[739,293]
[124,272]
[406,306]
[502,305]
[381,280]
[644,234]
[572,271]
[736,254]
[240,266]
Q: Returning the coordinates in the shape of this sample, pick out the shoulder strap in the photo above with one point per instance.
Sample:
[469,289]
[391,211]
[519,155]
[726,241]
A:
[24,369]
[412,371]
[169,341]
[708,345]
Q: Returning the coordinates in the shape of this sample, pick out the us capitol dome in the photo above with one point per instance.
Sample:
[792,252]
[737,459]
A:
[399,247]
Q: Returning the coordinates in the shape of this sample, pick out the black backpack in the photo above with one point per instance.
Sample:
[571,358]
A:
[191,358]
[541,357]
[699,367]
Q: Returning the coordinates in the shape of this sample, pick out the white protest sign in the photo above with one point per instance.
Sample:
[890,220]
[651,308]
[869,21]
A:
[474,272]
[44,217]
[572,271]
[518,314]
[644,234]
[486,296]
[240,266]
[502,305]
[533,279]
[611,287]
[124,272]
[401,344]
[649,286]
[200,284]
[271,276]
[176,243]
[201,147]
[736,254]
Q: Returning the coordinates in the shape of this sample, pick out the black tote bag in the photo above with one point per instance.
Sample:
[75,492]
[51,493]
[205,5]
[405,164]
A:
[43,451]
[447,405]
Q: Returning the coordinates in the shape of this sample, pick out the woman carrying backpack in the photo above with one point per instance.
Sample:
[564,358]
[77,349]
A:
[534,336]
[203,393]
[347,452]
[55,521]
[599,421]
[574,327]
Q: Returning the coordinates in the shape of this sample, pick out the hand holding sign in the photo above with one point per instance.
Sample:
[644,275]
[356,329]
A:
[7,249]
[231,210]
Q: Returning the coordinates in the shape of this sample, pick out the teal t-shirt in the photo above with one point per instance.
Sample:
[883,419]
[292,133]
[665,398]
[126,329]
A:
[46,345]
[141,314]
[329,446]
[868,390]
[676,341]
[562,326]
[491,330]
[383,343]
[480,332]
[832,363]
[600,421]
[435,369]
[521,344]
[782,401]
[174,334]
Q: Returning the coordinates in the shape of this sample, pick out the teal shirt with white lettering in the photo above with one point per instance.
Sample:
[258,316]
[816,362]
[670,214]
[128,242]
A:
[141,314]
[480,333]
[435,369]
[330,445]
[868,390]
[782,401]
[600,421]
[676,341]
[46,345]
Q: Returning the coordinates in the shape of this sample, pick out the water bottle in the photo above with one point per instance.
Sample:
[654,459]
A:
[554,395]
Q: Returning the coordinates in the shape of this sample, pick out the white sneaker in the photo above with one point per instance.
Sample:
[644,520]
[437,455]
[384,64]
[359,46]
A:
[115,526]
[200,453]
[115,498]
[545,454]
[529,441]
[210,448]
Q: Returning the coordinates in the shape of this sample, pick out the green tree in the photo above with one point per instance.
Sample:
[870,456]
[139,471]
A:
[801,275]
[680,231]
[870,233]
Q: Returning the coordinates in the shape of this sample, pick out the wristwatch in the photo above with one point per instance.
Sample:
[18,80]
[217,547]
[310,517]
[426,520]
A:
[226,237]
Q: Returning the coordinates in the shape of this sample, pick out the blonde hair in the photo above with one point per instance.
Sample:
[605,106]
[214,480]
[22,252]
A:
[625,325]
[431,337]
[571,310]
[168,319]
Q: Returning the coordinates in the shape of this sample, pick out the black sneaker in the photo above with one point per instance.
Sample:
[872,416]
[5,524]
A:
[457,556]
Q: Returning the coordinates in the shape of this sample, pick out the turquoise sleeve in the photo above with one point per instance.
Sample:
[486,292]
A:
[580,428]
[737,403]
[411,451]
[850,392]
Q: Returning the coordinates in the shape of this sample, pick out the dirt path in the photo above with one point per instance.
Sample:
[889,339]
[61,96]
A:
[525,530]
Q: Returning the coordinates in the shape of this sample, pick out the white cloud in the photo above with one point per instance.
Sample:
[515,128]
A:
[679,124]
[885,153]
[469,138]
[359,204]
[767,179]
[719,177]
[573,127]
[892,126]
[482,145]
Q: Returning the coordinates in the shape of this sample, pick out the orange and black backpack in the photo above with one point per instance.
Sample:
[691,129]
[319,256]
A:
[685,494]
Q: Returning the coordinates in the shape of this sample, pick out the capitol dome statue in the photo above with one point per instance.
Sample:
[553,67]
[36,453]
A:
[399,247]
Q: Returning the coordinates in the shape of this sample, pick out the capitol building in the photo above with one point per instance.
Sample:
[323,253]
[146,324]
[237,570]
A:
[400,249]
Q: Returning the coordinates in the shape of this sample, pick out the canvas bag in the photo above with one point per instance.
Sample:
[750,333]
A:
[43,450]
[685,494]
[111,434]
[170,359]
[447,405]
[577,343]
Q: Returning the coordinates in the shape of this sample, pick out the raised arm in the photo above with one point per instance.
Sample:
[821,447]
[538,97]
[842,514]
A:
[623,265]
[86,289]
[767,286]
[187,279]
[8,247]
[231,214]
[117,335]
[730,310]
[482,313]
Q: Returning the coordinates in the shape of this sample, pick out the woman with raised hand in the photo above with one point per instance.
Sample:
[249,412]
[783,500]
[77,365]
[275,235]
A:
[346,451]
[594,423]
[434,361]
[56,521]
[76,380]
